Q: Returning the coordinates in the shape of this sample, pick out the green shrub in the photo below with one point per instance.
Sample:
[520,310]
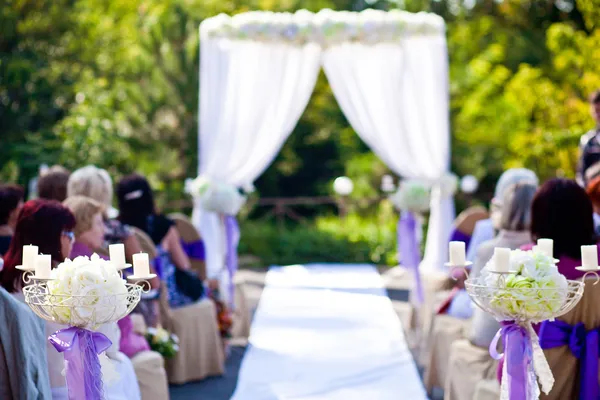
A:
[329,239]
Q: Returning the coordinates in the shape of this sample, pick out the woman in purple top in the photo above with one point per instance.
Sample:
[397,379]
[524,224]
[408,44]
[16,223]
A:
[89,235]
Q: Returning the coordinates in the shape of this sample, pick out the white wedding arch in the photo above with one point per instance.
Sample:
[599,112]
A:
[388,72]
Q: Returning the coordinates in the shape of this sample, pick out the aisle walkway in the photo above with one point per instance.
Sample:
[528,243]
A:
[327,332]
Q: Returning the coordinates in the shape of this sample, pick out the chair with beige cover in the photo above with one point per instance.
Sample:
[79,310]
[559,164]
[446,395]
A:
[241,313]
[445,330]
[466,220]
[469,365]
[488,389]
[201,350]
[149,368]
[564,365]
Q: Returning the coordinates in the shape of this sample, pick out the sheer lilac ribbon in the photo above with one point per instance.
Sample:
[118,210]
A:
[194,249]
[518,356]
[583,345]
[408,246]
[232,233]
[81,348]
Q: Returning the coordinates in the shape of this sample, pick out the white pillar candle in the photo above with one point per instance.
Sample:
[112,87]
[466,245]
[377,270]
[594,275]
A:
[43,265]
[501,259]
[545,246]
[589,257]
[117,254]
[141,265]
[457,253]
[30,254]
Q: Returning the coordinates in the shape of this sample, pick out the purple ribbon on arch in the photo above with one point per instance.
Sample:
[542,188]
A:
[81,348]
[518,356]
[409,249]
[232,234]
[194,249]
[583,344]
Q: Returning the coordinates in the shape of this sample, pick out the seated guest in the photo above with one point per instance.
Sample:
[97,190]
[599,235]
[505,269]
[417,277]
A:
[514,221]
[136,208]
[11,202]
[514,232]
[52,183]
[136,205]
[484,229]
[56,239]
[89,234]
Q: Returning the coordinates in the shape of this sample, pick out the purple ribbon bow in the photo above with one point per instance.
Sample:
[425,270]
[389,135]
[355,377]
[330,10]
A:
[518,356]
[408,246]
[583,345]
[81,348]
[194,250]
[232,233]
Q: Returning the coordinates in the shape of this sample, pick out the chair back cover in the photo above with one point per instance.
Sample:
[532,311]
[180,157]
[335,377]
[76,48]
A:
[565,366]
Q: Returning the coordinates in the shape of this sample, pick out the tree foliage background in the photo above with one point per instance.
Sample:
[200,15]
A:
[115,84]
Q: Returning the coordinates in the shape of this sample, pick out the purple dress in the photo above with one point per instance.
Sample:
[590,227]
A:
[131,342]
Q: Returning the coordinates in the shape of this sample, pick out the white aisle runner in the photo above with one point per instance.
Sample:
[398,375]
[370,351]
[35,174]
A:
[327,332]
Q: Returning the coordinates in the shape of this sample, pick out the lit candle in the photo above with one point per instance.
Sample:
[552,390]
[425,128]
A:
[501,259]
[43,265]
[589,257]
[141,265]
[117,254]
[545,246]
[457,253]
[30,254]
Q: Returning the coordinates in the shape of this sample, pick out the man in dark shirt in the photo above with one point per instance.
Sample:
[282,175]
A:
[590,143]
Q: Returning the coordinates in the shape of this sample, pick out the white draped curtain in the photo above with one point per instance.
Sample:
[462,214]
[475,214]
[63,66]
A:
[251,97]
[395,96]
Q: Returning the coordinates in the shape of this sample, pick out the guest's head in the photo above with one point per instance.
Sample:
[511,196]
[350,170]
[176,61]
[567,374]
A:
[89,227]
[136,201]
[91,182]
[52,183]
[509,178]
[11,202]
[595,106]
[43,223]
[562,211]
[516,207]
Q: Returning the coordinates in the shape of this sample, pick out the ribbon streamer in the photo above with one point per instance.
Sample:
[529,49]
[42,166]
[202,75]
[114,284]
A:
[524,360]
[408,246]
[232,234]
[81,348]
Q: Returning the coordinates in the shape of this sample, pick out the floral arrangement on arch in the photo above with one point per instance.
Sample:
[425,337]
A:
[414,195]
[217,197]
[326,27]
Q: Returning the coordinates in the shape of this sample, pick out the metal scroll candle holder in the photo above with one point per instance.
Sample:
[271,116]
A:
[517,308]
[81,314]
